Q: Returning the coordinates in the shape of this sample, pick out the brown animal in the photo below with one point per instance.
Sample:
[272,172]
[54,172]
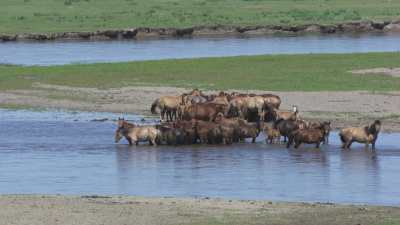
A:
[188,128]
[327,129]
[166,105]
[196,92]
[237,106]
[367,135]
[286,127]
[308,136]
[192,99]
[136,134]
[203,111]
[281,114]
[221,99]
[273,100]
[271,134]
[230,128]
[208,132]
[248,130]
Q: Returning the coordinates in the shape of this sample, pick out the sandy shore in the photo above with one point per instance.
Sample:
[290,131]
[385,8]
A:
[90,210]
[342,108]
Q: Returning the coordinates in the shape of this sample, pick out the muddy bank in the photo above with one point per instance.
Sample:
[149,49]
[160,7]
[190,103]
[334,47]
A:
[342,108]
[220,30]
[43,210]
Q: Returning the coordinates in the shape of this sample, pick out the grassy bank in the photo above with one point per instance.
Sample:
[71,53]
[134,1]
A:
[313,72]
[18,16]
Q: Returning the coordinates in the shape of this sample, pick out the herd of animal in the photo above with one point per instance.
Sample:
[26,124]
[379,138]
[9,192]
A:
[227,118]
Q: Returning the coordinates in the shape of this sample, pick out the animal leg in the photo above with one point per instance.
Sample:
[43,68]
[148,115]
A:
[162,115]
[297,144]
[154,142]
[129,141]
[317,145]
[254,140]
[348,144]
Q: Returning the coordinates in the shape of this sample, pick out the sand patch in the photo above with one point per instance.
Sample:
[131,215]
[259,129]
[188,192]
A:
[122,210]
[393,72]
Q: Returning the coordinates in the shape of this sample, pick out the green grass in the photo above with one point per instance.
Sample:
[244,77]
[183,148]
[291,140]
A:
[17,16]
[311,72]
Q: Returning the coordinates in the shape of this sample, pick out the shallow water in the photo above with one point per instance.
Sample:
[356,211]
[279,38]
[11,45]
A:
[66,52]
[65,156]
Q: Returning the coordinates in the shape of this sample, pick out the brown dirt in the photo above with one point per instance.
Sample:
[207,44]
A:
[53,210]
[342,108]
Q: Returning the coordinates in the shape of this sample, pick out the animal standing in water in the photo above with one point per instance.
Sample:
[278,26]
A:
[367,135]
[135,134]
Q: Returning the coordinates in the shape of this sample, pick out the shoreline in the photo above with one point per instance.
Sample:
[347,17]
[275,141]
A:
[116,210]
[343,109]
[210,31]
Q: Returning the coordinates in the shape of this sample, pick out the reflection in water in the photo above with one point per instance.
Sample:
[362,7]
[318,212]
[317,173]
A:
[81,158]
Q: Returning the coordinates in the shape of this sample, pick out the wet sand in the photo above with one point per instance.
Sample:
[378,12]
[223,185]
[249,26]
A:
[52,210]
[342,108]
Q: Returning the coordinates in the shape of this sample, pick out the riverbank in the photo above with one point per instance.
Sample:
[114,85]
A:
[210,31]
[118,210]
[48,19]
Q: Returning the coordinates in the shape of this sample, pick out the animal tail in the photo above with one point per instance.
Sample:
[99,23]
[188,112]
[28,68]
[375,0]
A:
[154,106]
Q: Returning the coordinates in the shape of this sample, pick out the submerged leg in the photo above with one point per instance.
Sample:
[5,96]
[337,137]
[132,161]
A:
[373,145]
[129,141]
[348,144]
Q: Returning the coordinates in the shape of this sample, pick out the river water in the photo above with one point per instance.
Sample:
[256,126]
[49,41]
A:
[67,52]
[66,153]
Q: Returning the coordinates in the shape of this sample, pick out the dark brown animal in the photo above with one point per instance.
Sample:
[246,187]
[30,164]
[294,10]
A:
[171,135]
[286,127]
[308,136]
[327,129]
[190,136]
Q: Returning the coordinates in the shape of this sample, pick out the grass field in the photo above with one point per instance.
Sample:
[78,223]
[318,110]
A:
[312,72]
[18,16]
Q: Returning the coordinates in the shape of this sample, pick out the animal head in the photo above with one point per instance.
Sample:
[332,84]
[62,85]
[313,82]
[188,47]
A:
[327,127]
[118,135]
[375,127]
[120,122]
[295,109]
